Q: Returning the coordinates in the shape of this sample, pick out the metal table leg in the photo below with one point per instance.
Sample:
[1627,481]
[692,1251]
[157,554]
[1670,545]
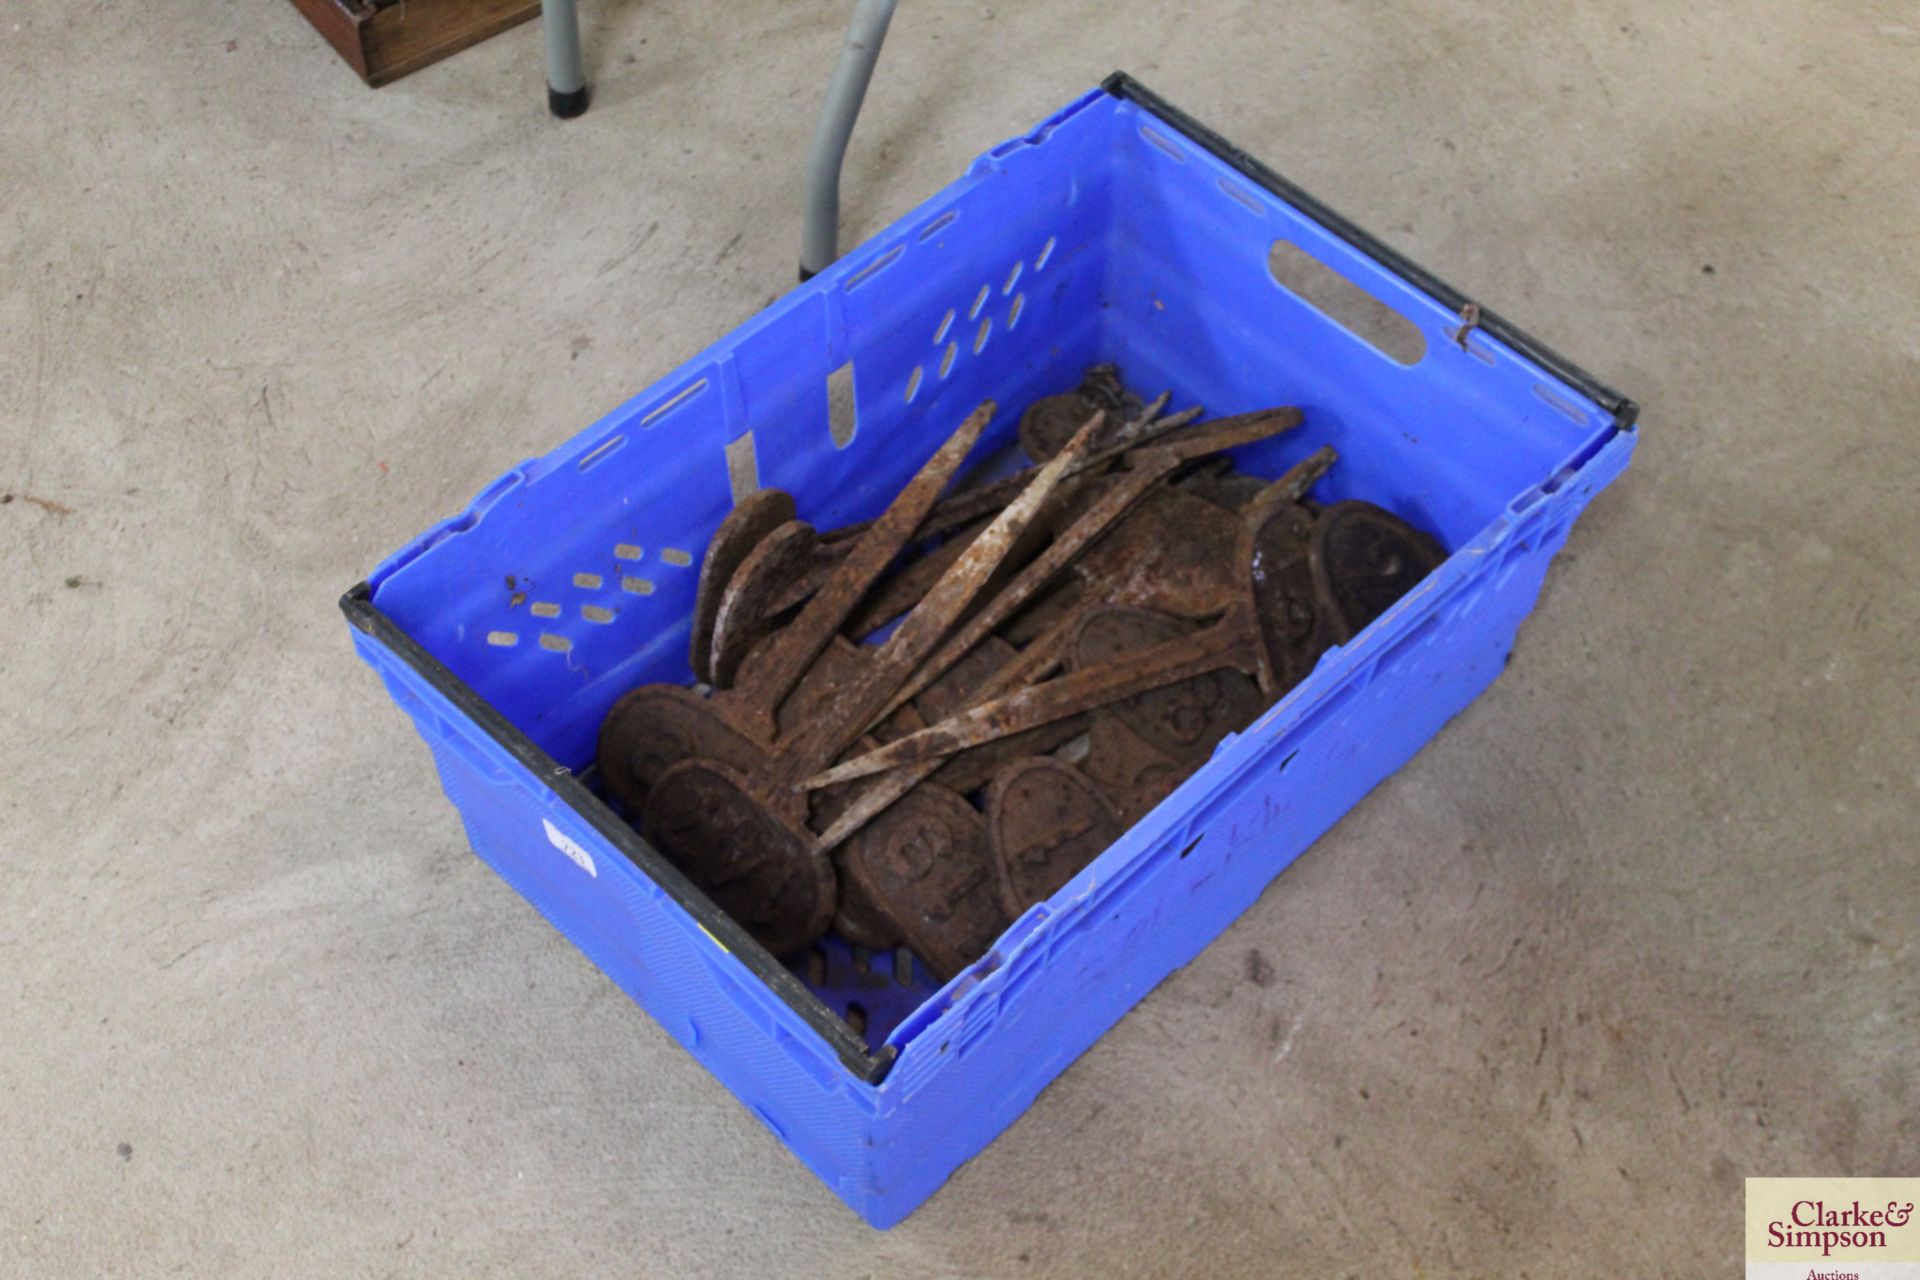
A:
[820,231]
[566,82]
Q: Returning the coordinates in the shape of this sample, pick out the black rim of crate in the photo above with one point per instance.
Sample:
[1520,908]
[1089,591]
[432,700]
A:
[872,1067]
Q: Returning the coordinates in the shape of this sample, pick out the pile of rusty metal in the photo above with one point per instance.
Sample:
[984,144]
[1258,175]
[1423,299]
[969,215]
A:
[1047,656]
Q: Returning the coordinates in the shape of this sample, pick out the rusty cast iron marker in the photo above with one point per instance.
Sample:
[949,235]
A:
[839,666]
[927,863]
[982,502]
[756,866]
[654,728]
[1130,774]
[743,613]
[1101,384]
[1227,642]
[1038,617]
[1045,821]
[752,518]
[1047,423]
[1043,655]
[1230,491]
[966,507]
[1296,623]
[1030,580]
[1365,558]
[797,645]
[1173,555]
[1293,485]
[855,918]
[1185,720]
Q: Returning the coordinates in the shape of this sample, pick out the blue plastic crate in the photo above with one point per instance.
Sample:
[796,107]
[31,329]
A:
[1117,230]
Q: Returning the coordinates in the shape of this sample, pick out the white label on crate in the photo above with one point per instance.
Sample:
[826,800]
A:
[571,847]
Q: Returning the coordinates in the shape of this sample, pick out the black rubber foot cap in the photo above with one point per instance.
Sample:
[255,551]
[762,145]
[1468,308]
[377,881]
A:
[806,275]
[567,105]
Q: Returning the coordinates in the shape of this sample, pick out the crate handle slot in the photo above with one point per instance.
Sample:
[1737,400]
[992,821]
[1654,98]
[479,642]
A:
[601,450]
[875,267]
[938,225]
[1345,303]
[662,410]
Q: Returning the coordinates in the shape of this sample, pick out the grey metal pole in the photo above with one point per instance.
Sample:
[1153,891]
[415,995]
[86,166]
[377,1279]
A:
[566,81]
[820,229]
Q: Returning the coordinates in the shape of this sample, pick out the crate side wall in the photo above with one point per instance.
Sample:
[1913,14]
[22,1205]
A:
[633,931]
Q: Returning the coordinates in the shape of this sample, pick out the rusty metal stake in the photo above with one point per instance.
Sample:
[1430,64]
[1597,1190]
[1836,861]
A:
[1150,466]
[1236,640]
[1035,662]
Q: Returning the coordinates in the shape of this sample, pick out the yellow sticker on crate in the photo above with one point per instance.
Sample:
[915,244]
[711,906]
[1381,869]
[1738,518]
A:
[1833,1229]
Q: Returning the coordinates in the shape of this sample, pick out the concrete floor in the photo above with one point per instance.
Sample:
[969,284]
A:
[1644,922]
